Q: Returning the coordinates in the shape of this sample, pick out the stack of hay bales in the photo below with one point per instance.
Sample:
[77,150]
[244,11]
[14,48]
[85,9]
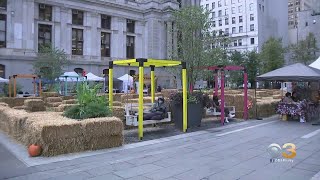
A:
[69,101]
[117,96]
[59,135]
[124,98]
[49,94]
[117,103]
[53,101]
[65,105]
[119,112]
[16,102]
[67,97]
[34,105]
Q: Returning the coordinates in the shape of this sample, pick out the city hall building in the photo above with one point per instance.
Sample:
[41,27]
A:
[91,32]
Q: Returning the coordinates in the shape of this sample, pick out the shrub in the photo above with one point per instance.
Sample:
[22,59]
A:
[90,105]
[193,98]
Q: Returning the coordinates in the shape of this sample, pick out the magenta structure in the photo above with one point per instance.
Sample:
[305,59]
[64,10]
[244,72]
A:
[222,69]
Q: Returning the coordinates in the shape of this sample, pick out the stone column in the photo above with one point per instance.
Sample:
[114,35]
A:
[169,39]
[175,41]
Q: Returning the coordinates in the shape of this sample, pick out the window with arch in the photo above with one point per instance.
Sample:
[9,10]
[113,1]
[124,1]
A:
[2,71]
[78,71]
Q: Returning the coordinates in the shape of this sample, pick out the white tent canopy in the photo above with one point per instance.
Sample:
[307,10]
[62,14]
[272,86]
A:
[92,77]
[127,82]
[4,80]
[70,77]
[316,64]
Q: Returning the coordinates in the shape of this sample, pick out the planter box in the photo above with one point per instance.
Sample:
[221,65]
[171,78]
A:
[194,115]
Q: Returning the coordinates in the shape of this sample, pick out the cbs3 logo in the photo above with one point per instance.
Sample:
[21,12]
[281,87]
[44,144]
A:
[288,150]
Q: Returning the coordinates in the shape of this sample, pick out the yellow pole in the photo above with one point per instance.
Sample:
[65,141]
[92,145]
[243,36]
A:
[140,100]
[184,89]
[152,85]
[110,84]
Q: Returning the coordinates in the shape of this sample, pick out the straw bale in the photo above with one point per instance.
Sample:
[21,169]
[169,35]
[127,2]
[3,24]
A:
[20,107]
[145,100]
[159,94]
[277,97]
[4,104]
[118,112]
[117,103]
[50,94]
[126,97]
[117,96]
[167,92]
[106,126]
[67,97]
[53,99]
[56,104]
[63,107]
[70,101]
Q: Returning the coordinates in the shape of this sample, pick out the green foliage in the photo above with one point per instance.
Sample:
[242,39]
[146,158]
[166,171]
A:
[193,98]
[5,89]
[192,27]
[272,55]
[305,50]
[90,104]
[50,63]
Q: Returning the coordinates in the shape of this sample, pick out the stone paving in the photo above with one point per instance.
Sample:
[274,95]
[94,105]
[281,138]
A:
[228,153]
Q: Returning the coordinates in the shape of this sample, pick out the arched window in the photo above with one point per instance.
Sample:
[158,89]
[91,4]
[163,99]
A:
[132,72]
[78,71]
[105,72]
[2,71]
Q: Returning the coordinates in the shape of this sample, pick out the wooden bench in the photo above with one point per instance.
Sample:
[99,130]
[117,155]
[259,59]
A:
[131,114]
[214,112]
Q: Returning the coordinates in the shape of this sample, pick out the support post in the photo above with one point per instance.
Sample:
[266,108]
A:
[110,84]
[140,120]
[245,115]
[34,86]
[222,97]
[9,86]
[216,86]
[40,87]
[184,92]
[152,84]
[14,86]
[66,86]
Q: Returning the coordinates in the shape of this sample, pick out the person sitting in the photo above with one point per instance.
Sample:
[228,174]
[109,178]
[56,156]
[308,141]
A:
[287,99]
[216,105]
[294,97]
[157,112]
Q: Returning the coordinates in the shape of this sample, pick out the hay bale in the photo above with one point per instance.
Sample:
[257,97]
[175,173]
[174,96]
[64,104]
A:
[4,104]
[34,105]
[117,96]
[70,101]
[102,142]
[50,94]
[67,97]
[117,103]
[126,97]
[277,97]
[53,99]
[63,107]
[167,92]
[145,100]
[20,107]
[118,112]
[56,104]
[106,126]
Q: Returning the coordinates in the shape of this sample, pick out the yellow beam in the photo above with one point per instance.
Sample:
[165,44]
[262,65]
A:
[110,86]
[152,85]
[185,108]
[140,123]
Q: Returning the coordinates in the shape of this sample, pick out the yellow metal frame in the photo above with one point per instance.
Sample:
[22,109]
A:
[142,63]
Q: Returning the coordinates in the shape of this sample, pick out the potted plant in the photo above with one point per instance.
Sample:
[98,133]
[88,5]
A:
[195,108]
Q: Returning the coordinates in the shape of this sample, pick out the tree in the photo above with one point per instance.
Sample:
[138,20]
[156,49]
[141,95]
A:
[50,63]
[272,55]
[253,65]
[305,50]
[237,58]
[192,26]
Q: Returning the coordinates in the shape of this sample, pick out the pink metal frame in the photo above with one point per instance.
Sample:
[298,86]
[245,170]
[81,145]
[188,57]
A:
[245,79]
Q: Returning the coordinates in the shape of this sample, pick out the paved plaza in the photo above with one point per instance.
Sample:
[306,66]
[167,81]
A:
[237,151]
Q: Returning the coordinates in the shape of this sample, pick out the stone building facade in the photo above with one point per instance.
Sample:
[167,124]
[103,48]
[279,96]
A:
[91,32]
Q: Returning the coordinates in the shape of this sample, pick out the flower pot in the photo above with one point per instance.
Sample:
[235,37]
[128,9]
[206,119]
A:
[34,150]
[194,115]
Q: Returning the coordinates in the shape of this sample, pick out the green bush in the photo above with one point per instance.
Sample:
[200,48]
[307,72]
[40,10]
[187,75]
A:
[5,89]
[90,104]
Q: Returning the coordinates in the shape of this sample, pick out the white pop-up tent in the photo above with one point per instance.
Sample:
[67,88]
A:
[92,77]
[316,64]
[127,81]
[4,80]
[70,77]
